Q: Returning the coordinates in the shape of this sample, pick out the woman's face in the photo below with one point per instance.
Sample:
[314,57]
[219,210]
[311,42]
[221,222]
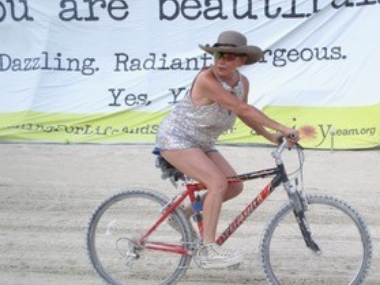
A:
[227,63]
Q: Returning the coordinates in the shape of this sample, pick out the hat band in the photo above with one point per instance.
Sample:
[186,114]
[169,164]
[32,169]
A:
[224,45]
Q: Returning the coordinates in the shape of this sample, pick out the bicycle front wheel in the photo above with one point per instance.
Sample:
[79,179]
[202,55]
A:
[339,231]
[115,250]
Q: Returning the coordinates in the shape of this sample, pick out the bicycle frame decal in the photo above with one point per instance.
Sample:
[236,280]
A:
[254,175]
[260,198]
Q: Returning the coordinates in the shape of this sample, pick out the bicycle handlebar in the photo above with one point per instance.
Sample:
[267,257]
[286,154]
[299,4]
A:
[283,144]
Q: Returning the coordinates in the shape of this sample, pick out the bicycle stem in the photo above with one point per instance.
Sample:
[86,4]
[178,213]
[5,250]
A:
[276,154]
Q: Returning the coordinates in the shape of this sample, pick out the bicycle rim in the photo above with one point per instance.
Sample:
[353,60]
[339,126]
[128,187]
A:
[339,231]
[111,241]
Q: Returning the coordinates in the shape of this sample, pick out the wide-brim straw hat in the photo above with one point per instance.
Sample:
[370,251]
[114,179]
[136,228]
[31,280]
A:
[236,43]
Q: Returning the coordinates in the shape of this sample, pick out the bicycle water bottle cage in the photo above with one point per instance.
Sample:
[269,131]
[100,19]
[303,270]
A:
[168,170]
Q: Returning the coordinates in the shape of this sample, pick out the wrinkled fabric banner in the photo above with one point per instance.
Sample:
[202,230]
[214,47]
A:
[108,71]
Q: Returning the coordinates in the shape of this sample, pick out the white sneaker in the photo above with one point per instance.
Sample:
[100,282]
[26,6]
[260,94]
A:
[213,256]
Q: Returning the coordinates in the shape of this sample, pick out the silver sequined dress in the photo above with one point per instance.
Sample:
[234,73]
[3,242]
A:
[192,126]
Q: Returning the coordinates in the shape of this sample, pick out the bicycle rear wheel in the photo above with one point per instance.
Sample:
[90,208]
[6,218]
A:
[113,247]
[336,227]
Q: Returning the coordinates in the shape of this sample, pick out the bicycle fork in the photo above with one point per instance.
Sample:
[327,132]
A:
[306,233]
[300,206]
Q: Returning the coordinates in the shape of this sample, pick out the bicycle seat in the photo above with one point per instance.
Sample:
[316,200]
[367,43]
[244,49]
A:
[168,170]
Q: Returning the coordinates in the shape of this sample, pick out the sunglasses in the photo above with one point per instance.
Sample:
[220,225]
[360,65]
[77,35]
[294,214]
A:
[226,56]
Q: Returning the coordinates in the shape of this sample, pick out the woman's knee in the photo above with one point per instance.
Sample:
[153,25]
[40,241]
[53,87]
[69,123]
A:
[238,187]
[234,190]
[218,185]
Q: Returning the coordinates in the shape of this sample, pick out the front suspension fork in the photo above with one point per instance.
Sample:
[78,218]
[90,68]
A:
[306,232]
[300,207]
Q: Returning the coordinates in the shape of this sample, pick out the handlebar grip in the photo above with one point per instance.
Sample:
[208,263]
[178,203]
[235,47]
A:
[291,136]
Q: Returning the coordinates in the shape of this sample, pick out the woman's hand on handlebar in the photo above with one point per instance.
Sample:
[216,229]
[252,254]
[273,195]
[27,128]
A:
[276,138]
[291,136]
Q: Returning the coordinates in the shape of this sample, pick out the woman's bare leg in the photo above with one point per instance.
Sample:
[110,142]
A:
[233,189]
[211,170]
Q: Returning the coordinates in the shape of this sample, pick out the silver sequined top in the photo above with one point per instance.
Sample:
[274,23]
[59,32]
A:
[192,126]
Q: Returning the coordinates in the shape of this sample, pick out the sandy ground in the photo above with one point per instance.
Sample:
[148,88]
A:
[48,193]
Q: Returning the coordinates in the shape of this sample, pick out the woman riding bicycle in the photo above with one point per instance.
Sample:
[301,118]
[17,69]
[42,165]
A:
[187,137]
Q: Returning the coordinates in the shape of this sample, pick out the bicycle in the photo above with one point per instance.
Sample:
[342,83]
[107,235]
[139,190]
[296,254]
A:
[300,243]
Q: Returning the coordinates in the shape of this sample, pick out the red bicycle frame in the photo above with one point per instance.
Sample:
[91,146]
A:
[191,188]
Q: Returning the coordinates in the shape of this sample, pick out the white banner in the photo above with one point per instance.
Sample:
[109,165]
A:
[70,69]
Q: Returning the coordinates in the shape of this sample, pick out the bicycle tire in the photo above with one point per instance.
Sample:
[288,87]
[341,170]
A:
[112,229]
[338,229]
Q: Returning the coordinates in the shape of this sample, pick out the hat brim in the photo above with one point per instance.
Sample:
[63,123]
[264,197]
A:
[253,53]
